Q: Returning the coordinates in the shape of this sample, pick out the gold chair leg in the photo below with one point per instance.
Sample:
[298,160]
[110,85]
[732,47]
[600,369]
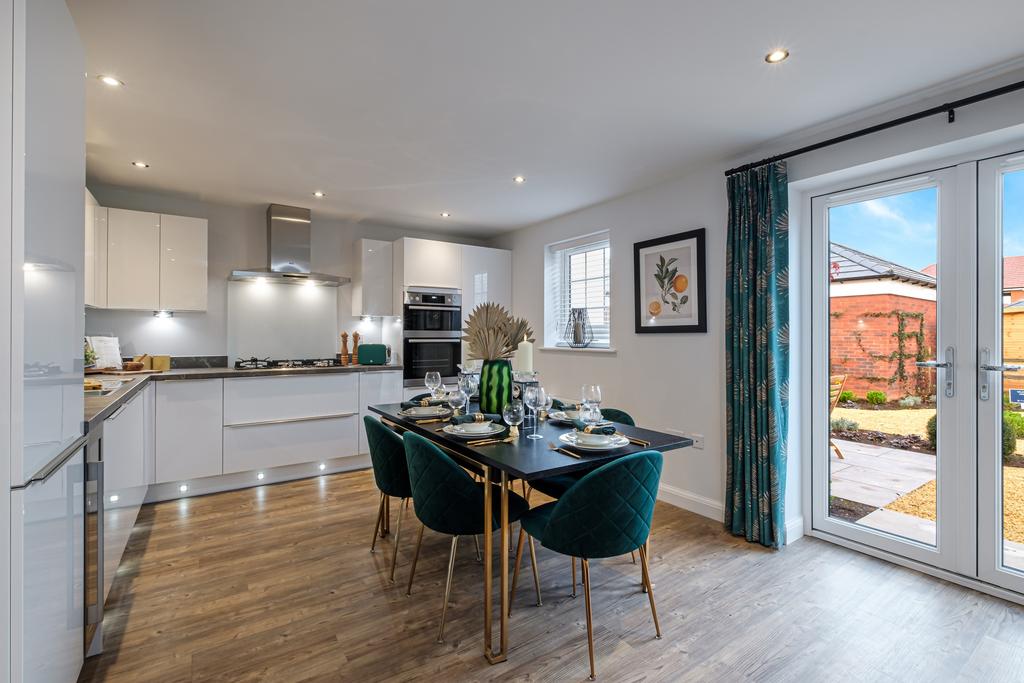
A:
[398,535]
[632,556]
[650,589]
[376,527]
[386,524]
[447,588]
[647,549]
[536,574]
[415,557]
[573,594]
[590,622]
[476,542]
[515,572]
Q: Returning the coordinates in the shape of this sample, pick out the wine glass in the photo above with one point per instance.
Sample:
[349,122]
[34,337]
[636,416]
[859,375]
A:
[591,393]
[513,415]
[433,381]
[457,399]
[590,413]
[535,398]
[549,401]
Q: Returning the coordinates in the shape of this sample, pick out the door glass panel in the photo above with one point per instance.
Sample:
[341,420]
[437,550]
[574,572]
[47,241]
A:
[1012,320]
[882,322]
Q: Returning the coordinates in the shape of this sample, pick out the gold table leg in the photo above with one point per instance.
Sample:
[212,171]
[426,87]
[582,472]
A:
[501,654]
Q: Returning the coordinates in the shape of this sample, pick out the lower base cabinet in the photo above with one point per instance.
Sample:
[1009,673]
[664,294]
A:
[255,446]
[189,426]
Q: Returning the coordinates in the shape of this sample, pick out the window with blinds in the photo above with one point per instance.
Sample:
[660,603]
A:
[579,276]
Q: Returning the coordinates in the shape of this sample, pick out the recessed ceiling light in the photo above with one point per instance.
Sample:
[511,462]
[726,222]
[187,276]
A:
[445,214]
[519,180]
[319,195]
[111,81]
[777,55]
[140,164]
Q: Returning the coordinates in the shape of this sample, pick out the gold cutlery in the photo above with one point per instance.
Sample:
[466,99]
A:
[564,451]
[632,440]
[491,442]
[431,421]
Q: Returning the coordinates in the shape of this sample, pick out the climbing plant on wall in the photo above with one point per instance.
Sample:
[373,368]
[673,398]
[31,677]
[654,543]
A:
[909,333]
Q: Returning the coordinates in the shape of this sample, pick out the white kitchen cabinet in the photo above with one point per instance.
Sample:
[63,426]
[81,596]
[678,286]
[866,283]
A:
[95,271]
[123,449]
[183,263]
[373,284]
[257,446]
[486,277]
[188,429]
[133,260]
[426,263]
[250,400]
[376,387]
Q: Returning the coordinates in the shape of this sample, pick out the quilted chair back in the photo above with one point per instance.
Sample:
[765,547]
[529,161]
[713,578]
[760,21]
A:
[388,457]
[616,415]
[608,512]
[445,498]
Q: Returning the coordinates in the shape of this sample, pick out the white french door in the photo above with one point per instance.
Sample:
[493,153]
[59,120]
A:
[893,314]
[1000,372]
[917,302]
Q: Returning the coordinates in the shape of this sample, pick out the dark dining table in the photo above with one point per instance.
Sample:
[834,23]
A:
[525,459]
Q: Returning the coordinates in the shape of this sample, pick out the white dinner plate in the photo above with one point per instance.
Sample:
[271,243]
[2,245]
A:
[460,432]
[614,441]
[426,411]
[560,416]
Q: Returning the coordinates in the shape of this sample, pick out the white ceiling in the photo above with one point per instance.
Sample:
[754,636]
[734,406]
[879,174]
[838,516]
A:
[402,109]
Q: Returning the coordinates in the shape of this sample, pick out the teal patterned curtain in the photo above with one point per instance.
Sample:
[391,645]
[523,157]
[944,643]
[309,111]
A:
[757,353]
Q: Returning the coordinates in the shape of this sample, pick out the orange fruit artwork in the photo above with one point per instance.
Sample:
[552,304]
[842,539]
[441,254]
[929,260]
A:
[680,283]
[654,308]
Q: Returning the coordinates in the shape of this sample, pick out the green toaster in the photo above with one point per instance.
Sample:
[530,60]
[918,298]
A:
[373,354]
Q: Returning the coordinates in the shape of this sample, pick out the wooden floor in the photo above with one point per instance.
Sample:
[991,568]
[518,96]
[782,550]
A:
[276,584]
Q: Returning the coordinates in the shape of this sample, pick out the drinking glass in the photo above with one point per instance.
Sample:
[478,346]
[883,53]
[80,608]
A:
[549,401]
[433,381]
[457,399]
[513,415]
[590,413]
[535,398]
[591,393]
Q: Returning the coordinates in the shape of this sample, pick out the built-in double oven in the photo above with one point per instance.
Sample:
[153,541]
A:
[432,333]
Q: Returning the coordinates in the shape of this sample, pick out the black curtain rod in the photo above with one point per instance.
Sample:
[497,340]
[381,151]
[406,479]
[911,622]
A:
[949,109]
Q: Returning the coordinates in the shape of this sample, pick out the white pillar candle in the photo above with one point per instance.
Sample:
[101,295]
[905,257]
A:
[523,361]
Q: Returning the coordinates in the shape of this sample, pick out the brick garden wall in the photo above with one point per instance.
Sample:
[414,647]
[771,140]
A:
[862,342]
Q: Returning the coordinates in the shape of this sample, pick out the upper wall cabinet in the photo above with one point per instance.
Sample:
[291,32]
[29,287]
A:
[149,261]
[486,277]
[133,259]
[427,263]
[373,285]
[183,263]
[95,253]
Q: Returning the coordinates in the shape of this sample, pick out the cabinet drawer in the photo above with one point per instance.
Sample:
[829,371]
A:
[267,399]
[256,446]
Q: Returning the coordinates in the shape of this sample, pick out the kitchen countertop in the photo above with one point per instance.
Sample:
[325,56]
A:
[99,408]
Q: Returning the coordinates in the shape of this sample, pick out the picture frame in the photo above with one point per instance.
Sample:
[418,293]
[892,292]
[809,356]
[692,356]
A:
[670,283]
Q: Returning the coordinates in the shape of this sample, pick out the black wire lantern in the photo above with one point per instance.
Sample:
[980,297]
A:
[578,331]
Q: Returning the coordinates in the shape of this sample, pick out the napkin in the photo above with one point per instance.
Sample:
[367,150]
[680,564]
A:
[581,426]
[421,400]
[561,405]
[476,417]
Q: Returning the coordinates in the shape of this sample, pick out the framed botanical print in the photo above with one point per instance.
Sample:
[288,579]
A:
[670,280]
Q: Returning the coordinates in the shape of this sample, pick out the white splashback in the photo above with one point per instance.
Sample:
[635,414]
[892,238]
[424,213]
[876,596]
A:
[269,320]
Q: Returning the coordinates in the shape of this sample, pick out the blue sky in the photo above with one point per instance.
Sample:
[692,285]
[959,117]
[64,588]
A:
[902,228]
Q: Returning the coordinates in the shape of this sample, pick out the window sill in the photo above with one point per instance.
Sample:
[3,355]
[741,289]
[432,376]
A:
[586,349]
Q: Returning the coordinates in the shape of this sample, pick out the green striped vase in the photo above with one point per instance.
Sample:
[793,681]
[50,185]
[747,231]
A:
[495,385]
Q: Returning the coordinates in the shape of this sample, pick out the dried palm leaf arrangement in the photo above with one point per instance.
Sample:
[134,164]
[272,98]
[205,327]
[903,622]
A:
[491,333]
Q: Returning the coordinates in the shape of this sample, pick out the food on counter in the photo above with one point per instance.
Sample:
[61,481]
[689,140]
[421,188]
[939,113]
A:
[133,366]
[92,384]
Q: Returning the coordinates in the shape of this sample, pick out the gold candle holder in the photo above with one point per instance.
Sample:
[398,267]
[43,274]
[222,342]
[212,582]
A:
[513,431]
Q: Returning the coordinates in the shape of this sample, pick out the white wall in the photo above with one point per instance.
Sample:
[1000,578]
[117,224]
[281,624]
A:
[675,381]
[238,239]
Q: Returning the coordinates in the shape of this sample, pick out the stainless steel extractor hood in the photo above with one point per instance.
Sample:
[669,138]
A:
[288,251]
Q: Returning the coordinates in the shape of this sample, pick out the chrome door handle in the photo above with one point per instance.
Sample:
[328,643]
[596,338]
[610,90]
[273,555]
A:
[1002,368]
[949,376]
[931,364]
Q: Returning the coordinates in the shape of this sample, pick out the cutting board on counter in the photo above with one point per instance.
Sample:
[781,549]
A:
[112,371]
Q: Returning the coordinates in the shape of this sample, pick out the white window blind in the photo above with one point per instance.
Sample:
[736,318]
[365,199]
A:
[580,277]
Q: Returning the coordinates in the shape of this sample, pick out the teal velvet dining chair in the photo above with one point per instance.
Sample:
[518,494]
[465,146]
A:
[447,500]
[605,514]
[616,415]
[387,454]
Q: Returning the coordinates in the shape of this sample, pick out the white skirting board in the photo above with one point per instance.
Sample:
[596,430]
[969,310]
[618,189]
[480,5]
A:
[715,509]
[241,480]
